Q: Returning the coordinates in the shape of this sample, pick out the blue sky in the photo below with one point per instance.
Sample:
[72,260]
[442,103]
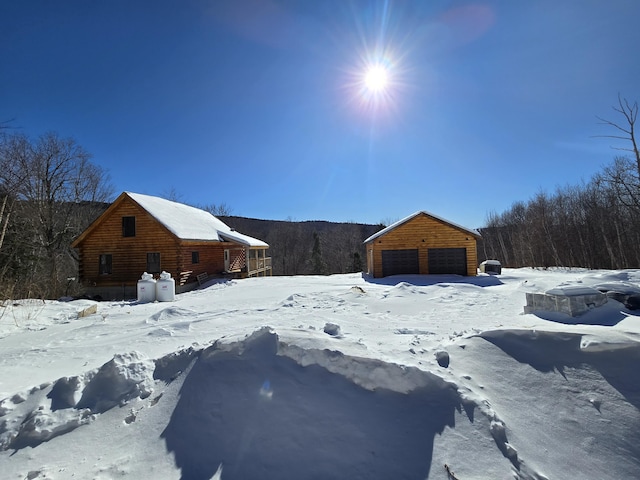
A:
[260,104]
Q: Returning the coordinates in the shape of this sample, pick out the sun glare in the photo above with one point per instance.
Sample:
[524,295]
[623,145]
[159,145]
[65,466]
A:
[378,72]
[376,83]
[376,78]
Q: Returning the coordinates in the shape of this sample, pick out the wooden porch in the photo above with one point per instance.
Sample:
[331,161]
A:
[247,262]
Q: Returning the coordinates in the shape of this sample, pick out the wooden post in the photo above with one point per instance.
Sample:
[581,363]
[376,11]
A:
[257,265]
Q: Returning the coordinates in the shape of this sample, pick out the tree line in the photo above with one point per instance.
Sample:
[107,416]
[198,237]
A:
[309,247]
[50,191]
[313,247]
[595,224]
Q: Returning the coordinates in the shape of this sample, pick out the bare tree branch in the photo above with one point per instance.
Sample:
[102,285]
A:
[630,113]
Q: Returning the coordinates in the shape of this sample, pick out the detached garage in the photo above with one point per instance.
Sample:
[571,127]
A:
[422,243]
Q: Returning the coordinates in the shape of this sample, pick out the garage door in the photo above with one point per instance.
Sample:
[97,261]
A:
[396,262]
[447,260]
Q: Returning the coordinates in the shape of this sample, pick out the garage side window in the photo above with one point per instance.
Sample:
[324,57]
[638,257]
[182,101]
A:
[106,261]
[128,226]
[195,257]
[153,262]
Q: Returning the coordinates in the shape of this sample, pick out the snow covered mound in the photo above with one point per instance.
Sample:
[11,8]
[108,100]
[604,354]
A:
[579,408]
[250,410]
[51,410]
[411,377]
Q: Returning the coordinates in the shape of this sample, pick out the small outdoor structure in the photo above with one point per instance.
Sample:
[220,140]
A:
[491,266]
[141,233]
[422,243]
[572,300]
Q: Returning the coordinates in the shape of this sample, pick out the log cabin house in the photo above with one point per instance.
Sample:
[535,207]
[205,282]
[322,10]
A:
[422,243]
[140,233]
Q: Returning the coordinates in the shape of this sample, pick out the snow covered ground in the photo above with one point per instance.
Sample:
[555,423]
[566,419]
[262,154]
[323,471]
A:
[337,377]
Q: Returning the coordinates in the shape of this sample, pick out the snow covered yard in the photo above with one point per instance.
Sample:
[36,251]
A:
[339,377]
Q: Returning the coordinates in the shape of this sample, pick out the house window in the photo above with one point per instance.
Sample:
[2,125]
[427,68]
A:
[106,261]
[195,257]
[153,262]
[128,226]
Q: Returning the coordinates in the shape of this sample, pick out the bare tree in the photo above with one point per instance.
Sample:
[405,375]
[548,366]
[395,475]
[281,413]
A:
[594,225]
[172,194]
[13,149]
[623,175]
[218,210]
[290,247]
[629,112]
[53,182]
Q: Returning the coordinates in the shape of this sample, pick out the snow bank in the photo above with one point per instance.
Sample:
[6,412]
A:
[51,410]
[125,377]
[420,372]
[260,407]
[566,403]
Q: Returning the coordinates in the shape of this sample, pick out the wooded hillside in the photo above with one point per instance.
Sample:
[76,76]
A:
[310,247]
[595,224]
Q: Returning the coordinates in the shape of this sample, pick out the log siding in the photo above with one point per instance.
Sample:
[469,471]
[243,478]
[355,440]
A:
[106,236]
[128,254]
[422,232]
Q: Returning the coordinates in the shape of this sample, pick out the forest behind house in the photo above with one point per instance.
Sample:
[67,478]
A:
[51,191]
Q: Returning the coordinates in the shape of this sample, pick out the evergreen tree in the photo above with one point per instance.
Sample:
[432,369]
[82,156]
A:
[356,266]
[318,265]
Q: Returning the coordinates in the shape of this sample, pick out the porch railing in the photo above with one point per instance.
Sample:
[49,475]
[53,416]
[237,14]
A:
[259,265]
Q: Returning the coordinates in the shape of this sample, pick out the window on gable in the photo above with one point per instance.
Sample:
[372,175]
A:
[153,262]
[105,265]
[128,226]
[195,257]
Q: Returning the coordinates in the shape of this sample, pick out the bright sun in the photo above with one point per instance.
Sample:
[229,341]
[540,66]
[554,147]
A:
[376,82]
[376,78]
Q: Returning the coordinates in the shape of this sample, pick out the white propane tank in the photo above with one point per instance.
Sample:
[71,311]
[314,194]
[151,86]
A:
[146,288]
[166,288]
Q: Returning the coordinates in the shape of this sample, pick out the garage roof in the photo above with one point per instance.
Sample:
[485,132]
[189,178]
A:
[475,233]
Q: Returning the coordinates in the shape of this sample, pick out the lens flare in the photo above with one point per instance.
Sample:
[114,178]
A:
[266,390]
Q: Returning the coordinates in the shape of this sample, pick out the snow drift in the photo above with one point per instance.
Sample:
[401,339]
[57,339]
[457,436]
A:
[257,413]
[435,378]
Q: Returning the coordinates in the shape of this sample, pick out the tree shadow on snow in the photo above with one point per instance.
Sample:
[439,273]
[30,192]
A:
[417,280]
[261,416]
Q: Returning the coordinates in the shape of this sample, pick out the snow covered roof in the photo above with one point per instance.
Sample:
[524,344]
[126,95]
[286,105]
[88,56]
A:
[491,262]
[573,291]
[475,233]
[191,223]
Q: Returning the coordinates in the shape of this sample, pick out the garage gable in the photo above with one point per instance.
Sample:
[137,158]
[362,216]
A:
[422,243]
[422,213]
